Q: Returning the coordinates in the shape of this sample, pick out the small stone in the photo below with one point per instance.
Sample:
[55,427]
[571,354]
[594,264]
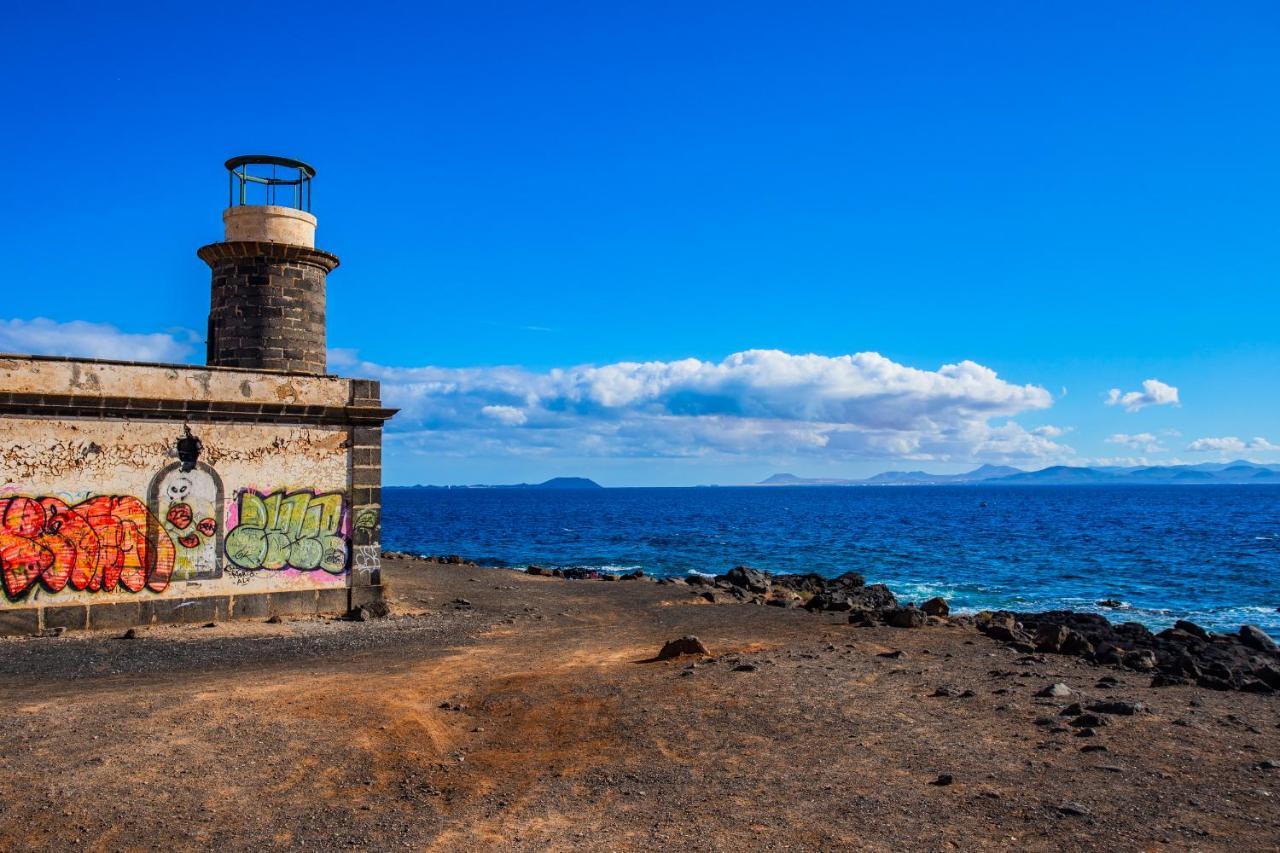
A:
[209,625]
[462,602]
[274,619]
[1073,810]
[894,655]
[686,645]
[1117,708]
[131,634]
[1093,747]
[1055,691]
[943,780]
[745,667]
[1088,721]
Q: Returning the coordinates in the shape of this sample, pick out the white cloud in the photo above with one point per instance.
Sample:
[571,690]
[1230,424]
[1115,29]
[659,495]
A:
[754,402]
[1144,441]
[92,340]
[1153,393]
[508,415]
[1231,444]
[1050,431]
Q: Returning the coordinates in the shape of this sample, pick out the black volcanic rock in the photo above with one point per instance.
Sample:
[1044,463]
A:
[747,578]
[1243,661]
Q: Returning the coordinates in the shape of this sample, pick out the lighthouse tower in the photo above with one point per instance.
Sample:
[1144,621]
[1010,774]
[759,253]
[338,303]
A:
[267,304]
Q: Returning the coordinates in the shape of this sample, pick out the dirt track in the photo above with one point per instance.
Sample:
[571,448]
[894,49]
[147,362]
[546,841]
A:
[331,734]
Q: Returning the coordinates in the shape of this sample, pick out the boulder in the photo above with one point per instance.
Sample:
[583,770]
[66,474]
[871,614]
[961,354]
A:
[1088,721]
[748,578]
[810,583]
[1143,660]
[371,610]
[874,597]
[936,606]
[1003,627]
[699,580]
[686,645]
[1076,644]
[848,580]
[535,570]
[1255,638]
[828,602]
[1191,628]
[1050,638]
[862,618]
[906,617]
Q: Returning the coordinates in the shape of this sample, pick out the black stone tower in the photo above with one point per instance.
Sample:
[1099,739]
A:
[267,307]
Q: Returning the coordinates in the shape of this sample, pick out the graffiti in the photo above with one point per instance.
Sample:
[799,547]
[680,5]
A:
[299,530]
[366,526]
[365,559]
[104,543]
[188,504]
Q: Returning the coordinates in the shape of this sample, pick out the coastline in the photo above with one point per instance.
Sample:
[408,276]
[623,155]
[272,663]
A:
[1165,553]
[502,710]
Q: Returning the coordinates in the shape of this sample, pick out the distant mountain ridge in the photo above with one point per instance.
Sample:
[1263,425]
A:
[553,483]
[1233,473]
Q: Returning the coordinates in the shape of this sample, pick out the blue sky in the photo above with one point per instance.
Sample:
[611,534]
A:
[559,223]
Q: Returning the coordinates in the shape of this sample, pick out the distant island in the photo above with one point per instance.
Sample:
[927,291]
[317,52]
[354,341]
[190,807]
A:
[1205,473]
[553,483]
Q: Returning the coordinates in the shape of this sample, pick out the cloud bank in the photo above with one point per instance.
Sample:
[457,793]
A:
[93,340]
[755,402]
[1153,393]
[1231,444]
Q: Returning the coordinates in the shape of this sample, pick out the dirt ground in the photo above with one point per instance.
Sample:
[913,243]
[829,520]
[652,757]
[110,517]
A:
[533,718]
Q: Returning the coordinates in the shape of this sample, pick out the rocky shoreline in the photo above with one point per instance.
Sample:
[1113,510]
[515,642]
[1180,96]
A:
[1186,653]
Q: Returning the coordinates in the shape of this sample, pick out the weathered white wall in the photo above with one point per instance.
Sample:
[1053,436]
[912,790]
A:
[60,520]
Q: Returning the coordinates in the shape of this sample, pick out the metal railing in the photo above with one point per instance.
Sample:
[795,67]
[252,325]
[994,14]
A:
[276,180]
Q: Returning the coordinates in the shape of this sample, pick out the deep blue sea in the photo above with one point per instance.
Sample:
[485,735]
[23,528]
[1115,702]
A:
[1206,553]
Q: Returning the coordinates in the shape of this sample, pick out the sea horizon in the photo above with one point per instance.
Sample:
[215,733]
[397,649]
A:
[1155,553]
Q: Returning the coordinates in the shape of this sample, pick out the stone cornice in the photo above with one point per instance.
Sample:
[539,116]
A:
[133,408]
[247,250]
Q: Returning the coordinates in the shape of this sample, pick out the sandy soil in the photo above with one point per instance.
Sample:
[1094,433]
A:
[532,718]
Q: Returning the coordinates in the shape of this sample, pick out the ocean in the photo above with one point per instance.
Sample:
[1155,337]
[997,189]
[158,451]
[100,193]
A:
[1206,553]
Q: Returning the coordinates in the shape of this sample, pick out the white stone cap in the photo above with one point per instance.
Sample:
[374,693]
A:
[269,223]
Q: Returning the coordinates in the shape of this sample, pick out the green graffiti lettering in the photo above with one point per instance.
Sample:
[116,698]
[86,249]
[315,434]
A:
[297,530]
